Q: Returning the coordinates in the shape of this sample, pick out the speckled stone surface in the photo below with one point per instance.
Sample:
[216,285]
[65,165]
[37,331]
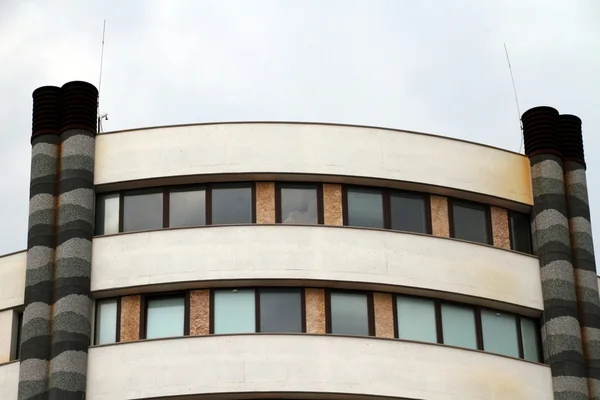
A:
[440,224]
[384,315]
[199,312]
[315,310]
[130,318]
[265,203]
[500,228]
[332,204]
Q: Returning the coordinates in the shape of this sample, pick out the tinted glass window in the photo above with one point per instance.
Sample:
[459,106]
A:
[165,317]
[106,321]
[500,333]
[470,222]
[18,338]
[232,204]
[349,314]
[529,332]
[187,207]
[107,214]
[142,211]
[365,208]
[234,311]
[280,310]
[408,212]
[299,205]
[458,326]
[520,232]
[416,319]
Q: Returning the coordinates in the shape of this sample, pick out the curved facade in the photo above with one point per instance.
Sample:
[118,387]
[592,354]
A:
[277,260]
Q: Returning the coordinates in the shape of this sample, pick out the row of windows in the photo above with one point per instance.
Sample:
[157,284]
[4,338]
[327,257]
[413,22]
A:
[247,310]
[215,204]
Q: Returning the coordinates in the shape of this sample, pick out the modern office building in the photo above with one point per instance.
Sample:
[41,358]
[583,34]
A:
[298,261]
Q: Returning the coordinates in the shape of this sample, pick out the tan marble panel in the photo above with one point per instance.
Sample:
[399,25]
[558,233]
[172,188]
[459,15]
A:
[130,318]
[315,310]
[384,315]
[332,204]
[500,229]
[265,202]
[440,224]
[199,312]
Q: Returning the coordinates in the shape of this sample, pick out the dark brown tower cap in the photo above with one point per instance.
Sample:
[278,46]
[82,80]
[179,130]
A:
[540,131]
[79,106]
[46,111]
[570,138]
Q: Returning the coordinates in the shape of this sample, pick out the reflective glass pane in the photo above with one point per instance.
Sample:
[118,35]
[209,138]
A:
[299,205]
[416,319]
[142,211]
[529,333]
[500,333]
[349,314]
[232,205]
[165,317]
[280,310]
[458,326]
[408,213]
[470,222]
[520,232]
[187,207]
[365,208]
[106,321]
[235,311]
[107,214]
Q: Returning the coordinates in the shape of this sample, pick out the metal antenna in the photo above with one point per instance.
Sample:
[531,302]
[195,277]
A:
[101,116]
[516,98]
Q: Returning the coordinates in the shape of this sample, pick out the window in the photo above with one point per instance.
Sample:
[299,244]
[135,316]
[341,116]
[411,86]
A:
[458,326]
[409,212]
[298,204]
[17,329]
[349,313]
[500,333]
[165,316]
[416,319]
[106,321]
[364,207]
[520,232]
[234,311]
[187,207]
[529,335]
[470,221]
[142,210]
[107,214]
[280,310]
[232,204]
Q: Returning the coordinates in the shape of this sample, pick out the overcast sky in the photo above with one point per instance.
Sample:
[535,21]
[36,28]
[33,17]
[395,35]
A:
[418,65]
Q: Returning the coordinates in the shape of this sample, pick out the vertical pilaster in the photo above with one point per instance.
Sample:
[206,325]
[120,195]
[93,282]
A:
[41,236]
[561,336]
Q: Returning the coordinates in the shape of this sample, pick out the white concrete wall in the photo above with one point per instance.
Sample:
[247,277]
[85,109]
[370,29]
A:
[12,279]
[6,335]
[9,381]
[307,363]
[317,253]
[311,149]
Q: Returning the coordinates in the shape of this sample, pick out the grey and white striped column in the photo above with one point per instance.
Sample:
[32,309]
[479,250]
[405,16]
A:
[37,330]
[71,327]
[586,280]
[561,334]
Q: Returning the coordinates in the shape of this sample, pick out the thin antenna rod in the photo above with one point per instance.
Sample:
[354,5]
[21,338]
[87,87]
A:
[516,98]
[101,57]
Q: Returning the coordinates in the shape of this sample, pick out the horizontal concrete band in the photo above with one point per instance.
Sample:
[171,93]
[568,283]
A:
[12,279]
[312,149]
[9,381]
[307,363]
[306,255]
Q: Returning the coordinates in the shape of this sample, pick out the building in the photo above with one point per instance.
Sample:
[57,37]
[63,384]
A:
[298,261]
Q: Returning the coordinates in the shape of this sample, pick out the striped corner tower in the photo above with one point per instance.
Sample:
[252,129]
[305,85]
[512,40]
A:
[41,236]
[561,333]
[586,280]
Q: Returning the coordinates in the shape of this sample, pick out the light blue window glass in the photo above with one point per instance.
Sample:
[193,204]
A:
[165,317]
[416,319]
[458,325]
[500,333]
[529,332]
[365,208]
[349,314]
[106,321]
[235,311]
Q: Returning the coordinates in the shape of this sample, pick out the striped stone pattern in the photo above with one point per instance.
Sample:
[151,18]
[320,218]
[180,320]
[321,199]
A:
[561,335]
[71,328]
[36,331]
[588,300]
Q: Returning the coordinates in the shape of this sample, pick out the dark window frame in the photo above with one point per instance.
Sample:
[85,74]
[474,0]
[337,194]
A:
[144,310]
[370,310]
[118,324]
[474,205]
[149,190]
[510,232]
[299,185]
[16,347]
[386,194]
